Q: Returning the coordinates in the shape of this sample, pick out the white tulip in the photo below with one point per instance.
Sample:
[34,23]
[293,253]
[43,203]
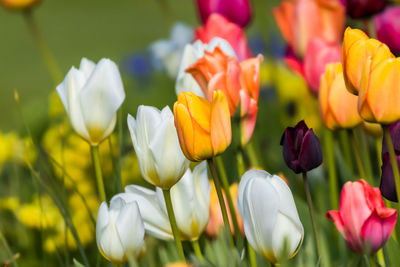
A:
[190,202]
[119,230]
[91,95]
[193,52]
[269,214]
[157,147]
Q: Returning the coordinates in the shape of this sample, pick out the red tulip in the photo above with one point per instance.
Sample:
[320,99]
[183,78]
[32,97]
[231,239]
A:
[238,11]
[218,26]
[362,219]
[318,54]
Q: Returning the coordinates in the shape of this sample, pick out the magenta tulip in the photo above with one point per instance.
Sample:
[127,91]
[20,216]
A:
[387,25]
[362,219]
[237,11]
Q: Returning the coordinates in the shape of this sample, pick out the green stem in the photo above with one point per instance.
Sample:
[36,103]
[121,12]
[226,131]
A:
[174,226]
[251,152]
[240,164]
[366,158]
[378,147]
[393,161]
[252,255]
[312,214]
[45,52]
[344,139]
[225,185]
[118,186]
[357,156]
[197,250]
[217,184]
[381,258]
[94,149]
[330,161]
[8,250]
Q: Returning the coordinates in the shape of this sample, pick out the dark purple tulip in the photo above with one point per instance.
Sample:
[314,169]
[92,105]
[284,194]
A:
[237,11]
[363,8]
[387,186]
[387,25]
[394,130]
[301,148]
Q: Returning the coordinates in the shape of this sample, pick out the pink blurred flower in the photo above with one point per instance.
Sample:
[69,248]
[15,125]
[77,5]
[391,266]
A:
[363,220]
[387,25]
[318,54]
[238,11]
[218,26]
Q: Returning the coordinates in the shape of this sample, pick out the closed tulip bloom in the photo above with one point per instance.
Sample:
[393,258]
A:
[363,8]
[271,221]
[219,26]
[204,128]
[91,96]
[301,20]
[191,53]
[301,148]
[387,185]
[338,107]
[388,28]
[156,144]
[319,54]
[394,130]
[237,11]
[379,95]
[119,231]
[362,219]
[190,201]
[19,4]
[356,49]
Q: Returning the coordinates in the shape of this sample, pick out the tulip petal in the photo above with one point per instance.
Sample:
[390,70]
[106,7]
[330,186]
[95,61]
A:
[184,127]
[102,220]
[221,133]
[388,186]
[334,215]
[310,155]
[86,67]
[100,98]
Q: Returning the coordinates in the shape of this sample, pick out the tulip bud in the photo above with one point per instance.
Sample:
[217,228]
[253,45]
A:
[379,95]
[237,11]
[301,148]
[119,231]
[271,221]
[394,130]
[190,202]
[362,219]
[91,96]
[338,107]
[156,144]
[388,28]
[363,8]
[19,4]
[356,48]
[388,186]
[218,26]
[204,128]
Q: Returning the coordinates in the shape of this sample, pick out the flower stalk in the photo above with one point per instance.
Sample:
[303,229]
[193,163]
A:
[94,149]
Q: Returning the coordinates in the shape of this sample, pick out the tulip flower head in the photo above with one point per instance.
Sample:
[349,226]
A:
[356,49]
[338,107]
[156,144]
[119,230]
[362,219]
[19,4]
[388,28]
[237,11]
[262,194]
[219,26]
[190,201]
[363,8]
[204,128]
[91,96]
[301,148]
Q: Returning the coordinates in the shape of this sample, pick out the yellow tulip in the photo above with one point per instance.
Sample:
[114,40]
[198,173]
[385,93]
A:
[379,96]
[338,107]
[19,4]
[204,128]
[357,47]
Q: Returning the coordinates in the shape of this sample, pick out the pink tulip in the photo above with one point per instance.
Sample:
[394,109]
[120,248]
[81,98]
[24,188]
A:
[219,26]
[318,54]
[387,25]
[363,220]
[238,11]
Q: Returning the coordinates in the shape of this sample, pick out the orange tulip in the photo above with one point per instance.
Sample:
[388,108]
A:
[337,106]
[379,95]
[216,221]
[204,128]
[19,4]
[301,20]
[357,47]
